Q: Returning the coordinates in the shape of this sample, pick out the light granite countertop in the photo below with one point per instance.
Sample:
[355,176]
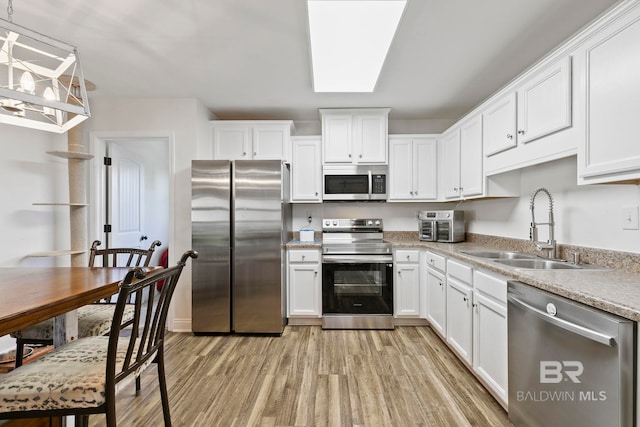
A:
[610,289]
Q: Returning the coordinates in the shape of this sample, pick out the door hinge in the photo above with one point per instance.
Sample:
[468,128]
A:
[107,228]
[107,161]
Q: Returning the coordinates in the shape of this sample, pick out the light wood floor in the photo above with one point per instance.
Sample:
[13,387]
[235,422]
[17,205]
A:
[311,377]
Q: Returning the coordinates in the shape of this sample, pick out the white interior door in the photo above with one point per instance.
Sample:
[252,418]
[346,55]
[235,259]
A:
[125,209]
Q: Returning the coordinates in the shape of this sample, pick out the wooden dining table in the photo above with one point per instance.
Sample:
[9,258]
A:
[29,295]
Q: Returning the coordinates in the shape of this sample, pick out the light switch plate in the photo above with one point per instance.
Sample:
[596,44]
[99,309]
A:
[630,218]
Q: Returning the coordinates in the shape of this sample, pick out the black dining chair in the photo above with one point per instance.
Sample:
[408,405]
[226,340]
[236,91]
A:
[93,319]
[81,377]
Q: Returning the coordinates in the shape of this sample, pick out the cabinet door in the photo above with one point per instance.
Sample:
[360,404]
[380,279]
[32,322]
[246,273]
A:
[471,178]
[401,162]
[499,130]
[304,290]
[425,169]
[436,301]
[544,102]
[337,138]
[612,60]
[451,158]
[269,143]
[306,172]
[407,290]
[459,318]
[231,143]
[490,344]
[370,138]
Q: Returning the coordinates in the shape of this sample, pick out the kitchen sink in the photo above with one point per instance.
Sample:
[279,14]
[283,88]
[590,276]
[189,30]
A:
[506,255]
[538,264]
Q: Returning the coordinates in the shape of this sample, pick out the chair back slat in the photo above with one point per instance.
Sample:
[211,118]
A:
[150,316]
[121,257]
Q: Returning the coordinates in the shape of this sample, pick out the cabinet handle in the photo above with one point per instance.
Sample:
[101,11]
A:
[520,132]
[509,136]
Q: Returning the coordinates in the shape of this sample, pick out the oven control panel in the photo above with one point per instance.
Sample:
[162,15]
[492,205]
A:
[351,225]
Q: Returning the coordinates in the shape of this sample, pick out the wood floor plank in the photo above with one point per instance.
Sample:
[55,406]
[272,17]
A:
[311,377]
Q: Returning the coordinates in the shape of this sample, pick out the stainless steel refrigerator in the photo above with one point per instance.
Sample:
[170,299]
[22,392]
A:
[241,220]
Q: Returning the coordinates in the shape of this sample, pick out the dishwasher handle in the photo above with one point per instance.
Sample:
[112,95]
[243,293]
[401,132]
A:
[561,323]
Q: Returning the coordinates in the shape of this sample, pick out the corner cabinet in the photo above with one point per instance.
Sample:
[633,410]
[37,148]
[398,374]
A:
[518,122]
[306,169]
[251,140]
[354,136]
[304,285]
[610,65]
[413,168]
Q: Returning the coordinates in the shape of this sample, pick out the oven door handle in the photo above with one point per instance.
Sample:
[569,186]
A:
[360,259]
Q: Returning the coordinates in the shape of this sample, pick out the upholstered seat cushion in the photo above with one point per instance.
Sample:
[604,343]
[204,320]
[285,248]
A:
[93,320]
[71,376]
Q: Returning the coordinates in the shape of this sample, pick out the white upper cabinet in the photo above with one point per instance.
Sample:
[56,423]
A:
[518,126]
[354,136]
[462,160]
[610,64]
[544,102]
[251,140]
[412,168]
[306,169]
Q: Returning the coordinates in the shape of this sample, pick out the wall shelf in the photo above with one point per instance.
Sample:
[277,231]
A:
[71,155]
[61,204]
[53,253]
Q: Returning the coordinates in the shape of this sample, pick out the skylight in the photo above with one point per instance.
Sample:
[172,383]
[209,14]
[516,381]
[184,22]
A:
[350,40]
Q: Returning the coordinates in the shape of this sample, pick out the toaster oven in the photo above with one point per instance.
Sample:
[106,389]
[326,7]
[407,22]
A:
[441,226]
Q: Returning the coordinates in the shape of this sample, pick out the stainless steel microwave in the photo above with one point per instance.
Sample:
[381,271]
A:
[354,182]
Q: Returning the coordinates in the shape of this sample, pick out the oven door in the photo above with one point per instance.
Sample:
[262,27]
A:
[444,232]
[357,284]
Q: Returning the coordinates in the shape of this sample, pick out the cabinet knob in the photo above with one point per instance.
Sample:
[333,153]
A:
[316,193]
[408,257]
[244,153]
[303,257]
[360,156]
[349,155]
[520,132]
[440,283]
[255,153]
[315,273]
[509,136]
[465,299]
[411,192]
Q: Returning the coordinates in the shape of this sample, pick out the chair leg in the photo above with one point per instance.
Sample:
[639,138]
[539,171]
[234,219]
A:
[19,352]
[81,421]
[162,379]
[137,385]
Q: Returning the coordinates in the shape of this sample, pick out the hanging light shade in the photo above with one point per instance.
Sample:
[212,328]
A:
[41,81]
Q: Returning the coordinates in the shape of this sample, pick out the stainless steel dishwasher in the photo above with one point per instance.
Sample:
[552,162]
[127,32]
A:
[569,364]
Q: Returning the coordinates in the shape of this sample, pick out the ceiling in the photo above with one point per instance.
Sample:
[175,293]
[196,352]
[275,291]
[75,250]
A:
[250,58]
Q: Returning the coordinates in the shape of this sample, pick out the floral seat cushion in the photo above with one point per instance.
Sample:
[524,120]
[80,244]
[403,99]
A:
[72,376]
[93,320]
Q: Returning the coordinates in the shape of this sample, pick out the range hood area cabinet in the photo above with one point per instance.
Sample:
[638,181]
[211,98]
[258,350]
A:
[609,65]
[251,139]
[306,169]
[354,136]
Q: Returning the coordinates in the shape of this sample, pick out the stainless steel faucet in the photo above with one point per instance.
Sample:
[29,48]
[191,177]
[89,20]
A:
[550,245]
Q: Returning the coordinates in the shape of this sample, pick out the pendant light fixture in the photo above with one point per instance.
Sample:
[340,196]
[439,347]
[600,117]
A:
[41,81]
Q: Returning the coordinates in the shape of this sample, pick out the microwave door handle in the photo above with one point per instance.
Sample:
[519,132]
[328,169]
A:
[370,184]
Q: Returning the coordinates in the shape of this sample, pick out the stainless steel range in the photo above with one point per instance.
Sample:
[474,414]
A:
[357,275]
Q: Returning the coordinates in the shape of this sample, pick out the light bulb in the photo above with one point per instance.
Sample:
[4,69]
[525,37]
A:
[27,83]
[51,96]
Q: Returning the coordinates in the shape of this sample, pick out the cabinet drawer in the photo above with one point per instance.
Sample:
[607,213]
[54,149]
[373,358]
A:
[304,256]
[491,285]
[436,261]
[460,271]
[407,256]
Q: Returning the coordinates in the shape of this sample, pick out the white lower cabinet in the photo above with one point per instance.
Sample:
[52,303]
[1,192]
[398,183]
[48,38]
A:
[304,283]
[459,309]
[406,283]
[490,332]
[436,292]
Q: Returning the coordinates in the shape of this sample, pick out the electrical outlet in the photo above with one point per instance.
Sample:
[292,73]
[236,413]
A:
[630,218]
[309,217]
